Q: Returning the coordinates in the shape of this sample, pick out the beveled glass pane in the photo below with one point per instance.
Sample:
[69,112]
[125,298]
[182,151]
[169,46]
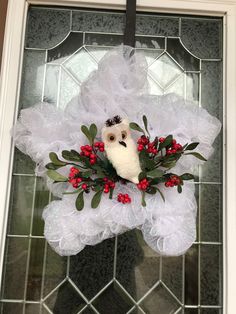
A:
[11,308]
[32,78]
[15,268]
[21,207]
[191,276]
[32,308]
[92,269]
[138,266]
[211,275]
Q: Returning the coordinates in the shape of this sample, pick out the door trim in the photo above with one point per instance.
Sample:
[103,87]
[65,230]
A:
[9,96]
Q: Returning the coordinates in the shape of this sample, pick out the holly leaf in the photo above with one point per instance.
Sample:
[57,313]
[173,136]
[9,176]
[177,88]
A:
[136,127]
[192,146]
[55,160]
[55,176]
[79,203]
[96,199]
[179,189]
[86,132]
[197,155]
[155,173]
[93,131]
[187,176]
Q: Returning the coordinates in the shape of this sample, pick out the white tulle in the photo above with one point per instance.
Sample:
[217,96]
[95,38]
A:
[119,86]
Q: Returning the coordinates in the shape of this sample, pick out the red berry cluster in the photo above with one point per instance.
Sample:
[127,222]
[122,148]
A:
[109,184]
[124,198]
[144,143]
[74,178]
[175,147]
[143,184]
[87,151]
[173,181]
[99,146]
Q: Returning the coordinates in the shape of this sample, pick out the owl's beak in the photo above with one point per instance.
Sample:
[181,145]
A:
[123,143]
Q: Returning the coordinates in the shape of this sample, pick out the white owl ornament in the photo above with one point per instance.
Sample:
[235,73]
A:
[121,149]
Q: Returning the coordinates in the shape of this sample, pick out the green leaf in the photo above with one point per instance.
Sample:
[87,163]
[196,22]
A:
[157,180]
[167,142]
[161,194]
[86,132]
[168,165]
[179,188]
[192,146]
[145,161]
[52,166]
[143,199]
[145,122]
[142,175]
[93,131]
[136,127]
[151,190]
[55,176]
[187,176]
[197,155]
[155,173]
[68,155]
[96,199]
[86,174]
[79,203]
[54,159]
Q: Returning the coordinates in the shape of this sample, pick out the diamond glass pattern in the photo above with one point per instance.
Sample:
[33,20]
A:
[65,299]
[160,301]
[113,300]
[164,70]
[80,65]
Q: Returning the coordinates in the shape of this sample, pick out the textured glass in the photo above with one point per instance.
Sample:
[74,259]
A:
[138,267]
[120,275]
[164,70]
[113,301]
[32,78]
[160,301]
[15,268]
[210,204]
[21,207]
[92,269]
[47,27]
[203,37]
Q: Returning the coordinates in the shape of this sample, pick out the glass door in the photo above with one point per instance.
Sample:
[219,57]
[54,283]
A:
[120,275]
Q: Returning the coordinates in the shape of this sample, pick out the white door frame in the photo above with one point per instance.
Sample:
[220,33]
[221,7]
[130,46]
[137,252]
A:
[9,96]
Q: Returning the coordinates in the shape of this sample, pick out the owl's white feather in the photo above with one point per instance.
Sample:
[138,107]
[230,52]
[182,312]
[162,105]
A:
[121,150]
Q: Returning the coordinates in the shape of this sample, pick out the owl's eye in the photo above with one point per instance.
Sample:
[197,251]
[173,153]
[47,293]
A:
[111,137]
[124,135]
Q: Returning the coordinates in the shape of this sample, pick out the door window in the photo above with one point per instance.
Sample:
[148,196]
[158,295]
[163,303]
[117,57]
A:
[120,275]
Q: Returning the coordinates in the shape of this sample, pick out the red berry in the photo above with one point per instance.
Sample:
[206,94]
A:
[84,186]
[140,147]
[173,142]
[106,190]
[161,139]
[101,149]
[112,185]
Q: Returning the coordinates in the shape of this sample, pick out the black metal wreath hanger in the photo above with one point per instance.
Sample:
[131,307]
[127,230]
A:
[129,34]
